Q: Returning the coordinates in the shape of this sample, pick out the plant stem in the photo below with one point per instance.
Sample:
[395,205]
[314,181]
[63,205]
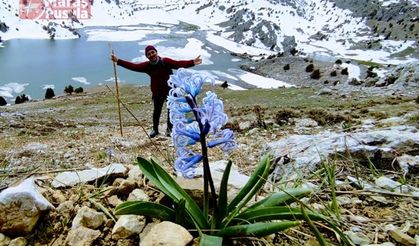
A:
[208,182]
[207,174]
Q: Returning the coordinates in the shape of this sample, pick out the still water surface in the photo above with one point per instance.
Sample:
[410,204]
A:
[81,63]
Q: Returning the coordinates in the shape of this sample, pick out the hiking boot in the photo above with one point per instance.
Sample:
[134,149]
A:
[153,133]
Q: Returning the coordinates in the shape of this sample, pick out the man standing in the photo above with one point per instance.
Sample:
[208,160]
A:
[159,69]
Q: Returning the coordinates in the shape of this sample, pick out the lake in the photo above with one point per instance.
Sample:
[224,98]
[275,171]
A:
[34,65]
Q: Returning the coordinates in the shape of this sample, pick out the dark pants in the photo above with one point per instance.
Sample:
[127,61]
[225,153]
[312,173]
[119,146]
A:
[158,106]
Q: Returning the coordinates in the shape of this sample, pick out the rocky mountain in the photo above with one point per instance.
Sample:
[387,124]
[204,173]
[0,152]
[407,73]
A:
[278,25]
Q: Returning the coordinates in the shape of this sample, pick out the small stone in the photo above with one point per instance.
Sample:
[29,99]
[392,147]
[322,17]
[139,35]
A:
[380,199]
[19,241]
[114,201]
[358,219]
[389,184]
[126,187]
[82,236]
[135,173]
[4,240]
[401,237]
[167,233]
[20,208]
[58,196]
[126,226]
[138,195]
[87,217]
[358,238]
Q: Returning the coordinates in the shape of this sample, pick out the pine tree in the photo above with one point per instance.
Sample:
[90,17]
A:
[49,93]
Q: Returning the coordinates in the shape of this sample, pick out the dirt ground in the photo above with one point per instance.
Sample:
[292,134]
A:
[73,132]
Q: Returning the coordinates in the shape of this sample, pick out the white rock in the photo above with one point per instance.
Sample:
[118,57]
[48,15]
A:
[408,162]
[4,240]
[19,241]
[244,125]
[127,225]
[359,219]
[81,236]
[114,201]
[87,217]
[67,179]
[167,233]
[20,207]
[358,238]
[308,151]
[389,184]
[302,125]
[138,195]
[135,173]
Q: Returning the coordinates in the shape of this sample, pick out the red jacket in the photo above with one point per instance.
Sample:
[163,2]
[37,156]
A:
[159,73]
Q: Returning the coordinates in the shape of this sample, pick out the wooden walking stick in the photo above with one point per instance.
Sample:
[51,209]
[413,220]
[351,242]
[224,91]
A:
[117,94]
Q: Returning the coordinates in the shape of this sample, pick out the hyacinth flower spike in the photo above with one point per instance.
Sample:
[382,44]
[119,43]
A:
[205,123]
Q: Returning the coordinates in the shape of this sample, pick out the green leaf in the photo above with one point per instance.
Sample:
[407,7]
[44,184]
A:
[274,213]
[148,170]
[181,213]
[151,209]
[251,183]
[221,212]
[255,183]
[313,227]
[281,198]
[207,240]
[168,185]
[256,229]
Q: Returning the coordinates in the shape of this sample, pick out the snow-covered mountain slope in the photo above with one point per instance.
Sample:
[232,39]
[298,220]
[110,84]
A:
[329,26]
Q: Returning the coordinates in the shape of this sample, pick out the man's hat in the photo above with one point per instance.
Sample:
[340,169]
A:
[149,47]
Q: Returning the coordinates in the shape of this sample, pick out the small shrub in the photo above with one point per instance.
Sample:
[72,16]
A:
[390,80]
[315,74]
[310,68]
[323,117]
[333,73]
[285,115]
[414,119]
[371,74]
[379,115]
[287,67]
[259,117]
[21,99]
[49,93]
[3,101]
[234,126]
[78,90]
[364,111]
[69,90]
[344,71]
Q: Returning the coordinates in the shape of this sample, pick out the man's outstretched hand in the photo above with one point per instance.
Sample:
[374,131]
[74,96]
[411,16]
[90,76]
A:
[114,58]
[197,60]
